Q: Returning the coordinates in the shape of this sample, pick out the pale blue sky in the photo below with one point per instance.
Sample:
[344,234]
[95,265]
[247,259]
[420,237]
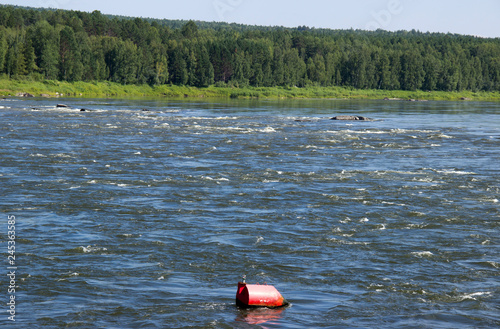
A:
[480,17]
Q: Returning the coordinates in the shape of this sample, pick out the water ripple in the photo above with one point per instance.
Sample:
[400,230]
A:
[148,219]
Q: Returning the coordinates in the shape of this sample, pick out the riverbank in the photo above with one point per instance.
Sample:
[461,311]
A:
[51,88]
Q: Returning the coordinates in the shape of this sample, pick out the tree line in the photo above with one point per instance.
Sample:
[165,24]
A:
[80,46]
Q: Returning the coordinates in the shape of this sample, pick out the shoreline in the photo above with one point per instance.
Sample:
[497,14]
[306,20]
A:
[105,89]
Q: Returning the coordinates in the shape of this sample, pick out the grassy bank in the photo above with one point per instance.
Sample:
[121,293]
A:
[51,88]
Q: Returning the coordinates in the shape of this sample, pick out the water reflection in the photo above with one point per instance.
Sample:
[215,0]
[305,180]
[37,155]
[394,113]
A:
[260,315]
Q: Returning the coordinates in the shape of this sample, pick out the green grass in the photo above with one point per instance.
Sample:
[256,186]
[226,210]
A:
[53,88]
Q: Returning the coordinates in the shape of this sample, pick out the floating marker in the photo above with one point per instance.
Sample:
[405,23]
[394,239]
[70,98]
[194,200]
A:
[256,295]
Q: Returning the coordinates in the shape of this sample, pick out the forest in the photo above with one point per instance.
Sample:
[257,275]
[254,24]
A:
[45,44]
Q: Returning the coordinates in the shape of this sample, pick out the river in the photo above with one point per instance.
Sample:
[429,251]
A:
[127,218]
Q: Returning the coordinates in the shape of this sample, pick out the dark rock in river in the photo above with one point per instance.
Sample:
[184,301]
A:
[62,105]
[351,118]
[24,95]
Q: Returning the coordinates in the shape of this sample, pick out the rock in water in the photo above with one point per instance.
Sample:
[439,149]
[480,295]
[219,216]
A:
[351,118]
[24,95]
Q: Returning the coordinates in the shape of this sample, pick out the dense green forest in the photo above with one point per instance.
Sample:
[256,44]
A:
[77,46]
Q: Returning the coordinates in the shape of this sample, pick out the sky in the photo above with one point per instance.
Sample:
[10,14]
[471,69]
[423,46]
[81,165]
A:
[478,18]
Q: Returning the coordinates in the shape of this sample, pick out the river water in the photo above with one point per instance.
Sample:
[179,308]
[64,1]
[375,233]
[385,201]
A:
[148,219]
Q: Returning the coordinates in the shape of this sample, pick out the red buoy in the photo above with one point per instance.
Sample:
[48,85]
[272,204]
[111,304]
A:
[256,295]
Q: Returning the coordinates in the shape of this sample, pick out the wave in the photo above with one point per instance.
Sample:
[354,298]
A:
[422,254]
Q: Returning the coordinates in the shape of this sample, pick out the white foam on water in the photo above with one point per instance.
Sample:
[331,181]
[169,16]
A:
[149,117]
[441,135]
[418,213]
[209,118]
[455,172]
[377,286]
[422,254]
[345,242]
[331,196]
[359,132]
[221,179]
[345,221]
[268,130]
[90,249]
[473,296]
[393,203]
[62,155]
[407,131]
[494,264]
[228,129]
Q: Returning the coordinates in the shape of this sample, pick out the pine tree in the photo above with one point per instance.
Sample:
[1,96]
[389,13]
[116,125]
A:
[278,68]
[45,40]
[3,48]
[204,68]
[413,74]
[190,30]
[70,67]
